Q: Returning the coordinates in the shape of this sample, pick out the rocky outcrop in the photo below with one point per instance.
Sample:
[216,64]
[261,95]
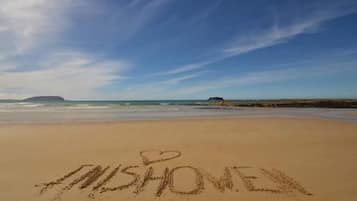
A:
[215,99]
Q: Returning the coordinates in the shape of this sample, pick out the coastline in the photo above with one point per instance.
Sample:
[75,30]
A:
[53,115]
[183,119]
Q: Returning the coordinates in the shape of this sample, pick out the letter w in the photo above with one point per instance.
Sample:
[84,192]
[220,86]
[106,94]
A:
[221,183]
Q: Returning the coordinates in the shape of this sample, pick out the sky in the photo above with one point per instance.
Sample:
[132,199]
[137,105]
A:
[178,49]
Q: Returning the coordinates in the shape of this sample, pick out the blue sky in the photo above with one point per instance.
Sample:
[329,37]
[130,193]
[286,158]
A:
[178,49]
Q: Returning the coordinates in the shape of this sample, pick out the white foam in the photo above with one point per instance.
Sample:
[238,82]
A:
[86,106]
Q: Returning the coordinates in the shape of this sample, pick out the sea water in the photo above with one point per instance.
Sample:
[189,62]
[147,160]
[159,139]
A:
[106,111]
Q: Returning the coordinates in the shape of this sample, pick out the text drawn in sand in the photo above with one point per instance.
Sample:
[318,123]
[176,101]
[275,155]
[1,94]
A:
[97,180]
[155,156]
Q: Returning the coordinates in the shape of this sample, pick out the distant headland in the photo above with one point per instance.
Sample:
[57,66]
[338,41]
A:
[45,99]
[297,103]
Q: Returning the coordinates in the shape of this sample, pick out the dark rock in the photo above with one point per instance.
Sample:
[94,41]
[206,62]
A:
[215,99]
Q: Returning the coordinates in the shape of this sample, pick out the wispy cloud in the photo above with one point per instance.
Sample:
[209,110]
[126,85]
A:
[170,89]
[117,22]
[177,80]
[269,37]
[72,77]
[186,68]
[28,23]
[269,76]
[30,31]
[51,47]
[278,34]
[157,89]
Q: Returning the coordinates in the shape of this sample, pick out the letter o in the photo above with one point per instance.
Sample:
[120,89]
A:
[198,181]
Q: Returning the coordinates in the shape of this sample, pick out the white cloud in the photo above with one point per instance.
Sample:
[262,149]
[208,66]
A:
[172,88]
[278,34]
[121,22]
[268,76]
[30,23]
[28,27]
[305,24]
[73,78]
[185,68]
[272,36]
[157,89]
[3,28]
[27,24]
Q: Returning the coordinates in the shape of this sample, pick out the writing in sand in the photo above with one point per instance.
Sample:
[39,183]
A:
[98,179]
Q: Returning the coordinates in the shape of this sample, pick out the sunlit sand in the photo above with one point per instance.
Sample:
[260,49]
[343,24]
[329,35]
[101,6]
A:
[249,159]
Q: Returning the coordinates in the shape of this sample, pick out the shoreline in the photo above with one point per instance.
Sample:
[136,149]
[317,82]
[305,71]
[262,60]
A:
[171,113]
[175,119]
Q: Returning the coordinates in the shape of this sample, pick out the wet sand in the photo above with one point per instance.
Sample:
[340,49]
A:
[250,159]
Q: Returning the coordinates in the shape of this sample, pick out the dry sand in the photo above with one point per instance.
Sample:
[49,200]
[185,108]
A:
[232,159]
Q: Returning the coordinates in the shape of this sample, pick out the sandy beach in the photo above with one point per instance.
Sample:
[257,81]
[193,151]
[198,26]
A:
[249,159]
[169,100]
[354,114]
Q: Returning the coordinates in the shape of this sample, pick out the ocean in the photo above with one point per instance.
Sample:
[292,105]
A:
[108,111]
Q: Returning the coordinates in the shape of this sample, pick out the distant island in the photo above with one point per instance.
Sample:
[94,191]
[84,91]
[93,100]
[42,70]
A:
[215,99]
[45,99]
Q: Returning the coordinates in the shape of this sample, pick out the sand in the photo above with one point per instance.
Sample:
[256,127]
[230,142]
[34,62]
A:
[250,159]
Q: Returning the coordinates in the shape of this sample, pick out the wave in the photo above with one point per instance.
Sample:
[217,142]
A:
[32,105]
[20,105]
[86,106]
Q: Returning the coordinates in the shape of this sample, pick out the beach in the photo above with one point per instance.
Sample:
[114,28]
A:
[167,100]
[354,114]
[250,159]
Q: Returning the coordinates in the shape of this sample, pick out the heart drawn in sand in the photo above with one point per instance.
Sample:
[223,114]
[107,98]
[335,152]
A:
[155,156]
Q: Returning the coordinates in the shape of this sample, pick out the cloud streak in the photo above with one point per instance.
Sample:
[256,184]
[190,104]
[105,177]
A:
[275,35]
[269,76]
[31,61]
[25,24]
[75,48]
[158,89]
[73,78]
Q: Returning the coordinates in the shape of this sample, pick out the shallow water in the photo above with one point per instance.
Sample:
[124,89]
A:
[106,111]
